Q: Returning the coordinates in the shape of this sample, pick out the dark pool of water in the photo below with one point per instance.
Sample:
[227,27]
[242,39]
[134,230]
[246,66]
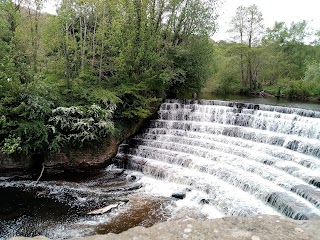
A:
[26,214]
[59,209]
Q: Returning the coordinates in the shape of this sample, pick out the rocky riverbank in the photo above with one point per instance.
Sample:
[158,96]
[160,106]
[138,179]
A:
[82,160]
[263,227]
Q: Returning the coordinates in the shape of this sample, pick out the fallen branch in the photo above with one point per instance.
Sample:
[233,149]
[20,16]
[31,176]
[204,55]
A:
[105,209]
[40,173]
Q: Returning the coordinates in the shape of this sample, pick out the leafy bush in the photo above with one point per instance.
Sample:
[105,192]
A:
[294,88]
[79,125]
[312,73]
[24,126]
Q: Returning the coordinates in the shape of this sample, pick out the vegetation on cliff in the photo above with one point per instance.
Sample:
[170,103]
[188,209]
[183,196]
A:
[71,79]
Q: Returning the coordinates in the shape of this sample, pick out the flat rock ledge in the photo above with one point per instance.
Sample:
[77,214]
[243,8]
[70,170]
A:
[262,227]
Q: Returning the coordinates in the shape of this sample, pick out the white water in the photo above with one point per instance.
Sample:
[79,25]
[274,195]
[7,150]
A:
[81,197]
[231,158]
[228,158]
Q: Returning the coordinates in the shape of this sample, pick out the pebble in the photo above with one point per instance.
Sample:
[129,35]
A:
[187,230]
[255,238]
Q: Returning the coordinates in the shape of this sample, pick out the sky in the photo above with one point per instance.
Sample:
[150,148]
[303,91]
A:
[272,10]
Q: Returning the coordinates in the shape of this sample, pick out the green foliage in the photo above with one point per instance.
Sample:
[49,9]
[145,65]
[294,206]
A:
[283,59]
[193,66]
[228,80]
[24,128]
[136,104]
[77,126]
[313,73]
[65,79]
[228,72]
[11,145]
[293,88]
[7,71]
[290,44]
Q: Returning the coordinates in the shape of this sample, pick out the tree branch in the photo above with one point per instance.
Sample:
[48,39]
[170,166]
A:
[40,173]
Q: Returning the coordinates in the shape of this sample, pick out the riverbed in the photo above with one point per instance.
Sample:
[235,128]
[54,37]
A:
[168,160]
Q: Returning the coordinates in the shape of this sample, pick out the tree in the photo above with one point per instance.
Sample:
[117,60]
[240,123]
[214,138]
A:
[313,72]
[62,73]
[291,43]
[247,27]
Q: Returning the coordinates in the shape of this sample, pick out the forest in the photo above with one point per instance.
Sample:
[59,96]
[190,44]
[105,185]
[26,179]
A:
[283,60]
[96,67]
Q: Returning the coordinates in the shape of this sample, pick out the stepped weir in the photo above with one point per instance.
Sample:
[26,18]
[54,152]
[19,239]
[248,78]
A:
[237,158]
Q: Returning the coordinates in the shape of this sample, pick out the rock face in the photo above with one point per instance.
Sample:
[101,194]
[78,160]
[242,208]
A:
[83,158]
[229,228]
[9,162]
[74,160]
[77,160]
[92,158]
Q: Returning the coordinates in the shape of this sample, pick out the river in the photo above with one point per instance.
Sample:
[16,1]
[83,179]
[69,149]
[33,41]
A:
[216,158]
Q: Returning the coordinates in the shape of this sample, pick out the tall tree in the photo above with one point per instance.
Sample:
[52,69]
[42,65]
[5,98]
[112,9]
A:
[291,43]
[247,27]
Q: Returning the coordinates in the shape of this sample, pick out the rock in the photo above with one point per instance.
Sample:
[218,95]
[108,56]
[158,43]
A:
[204,201]
[84,158]
[131,178]
[14,165]
[34,238]
[179,195]
[227,228]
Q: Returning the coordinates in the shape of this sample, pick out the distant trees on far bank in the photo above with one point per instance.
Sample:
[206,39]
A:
[267,59]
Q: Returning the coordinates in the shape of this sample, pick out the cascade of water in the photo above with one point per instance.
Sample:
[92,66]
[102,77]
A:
[231,164]
[247,158]
[296,143]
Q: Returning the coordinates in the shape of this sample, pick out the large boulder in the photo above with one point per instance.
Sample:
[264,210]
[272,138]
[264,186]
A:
[263,227]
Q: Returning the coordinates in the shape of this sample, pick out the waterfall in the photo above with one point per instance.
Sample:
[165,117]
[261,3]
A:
[238,158]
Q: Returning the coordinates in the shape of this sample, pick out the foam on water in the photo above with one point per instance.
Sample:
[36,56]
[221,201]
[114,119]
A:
[227,158]
[241,158]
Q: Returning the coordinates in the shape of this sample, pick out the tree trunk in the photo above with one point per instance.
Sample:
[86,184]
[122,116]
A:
[102,47]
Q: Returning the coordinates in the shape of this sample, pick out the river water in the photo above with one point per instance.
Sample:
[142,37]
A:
[238,157]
